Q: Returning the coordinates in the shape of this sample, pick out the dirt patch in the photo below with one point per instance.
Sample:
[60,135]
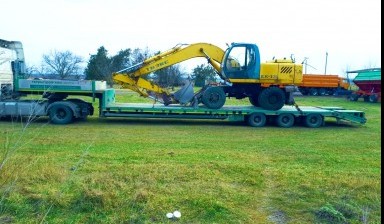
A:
[278,217]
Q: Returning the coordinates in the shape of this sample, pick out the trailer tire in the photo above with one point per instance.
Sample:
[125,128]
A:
[313,92]
[322,91]
[213,97]
[354,97]
[303,91]
[272,98]
[373,98]
[285,120]
[313,120]
[256,119]
[60,114]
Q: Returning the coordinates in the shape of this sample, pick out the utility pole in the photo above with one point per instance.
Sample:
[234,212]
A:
[305,64]
[326,60]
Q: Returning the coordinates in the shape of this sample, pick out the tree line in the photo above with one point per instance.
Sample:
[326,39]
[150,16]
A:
[101,66]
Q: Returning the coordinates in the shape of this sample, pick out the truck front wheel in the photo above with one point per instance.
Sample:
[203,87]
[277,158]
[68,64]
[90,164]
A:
[60,114]
[272,98]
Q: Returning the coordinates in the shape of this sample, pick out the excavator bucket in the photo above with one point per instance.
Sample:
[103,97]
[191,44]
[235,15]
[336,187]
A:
[185,94]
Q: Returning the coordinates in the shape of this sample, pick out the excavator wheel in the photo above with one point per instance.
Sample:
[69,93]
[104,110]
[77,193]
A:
[254,100]
[272,98]
[213,97]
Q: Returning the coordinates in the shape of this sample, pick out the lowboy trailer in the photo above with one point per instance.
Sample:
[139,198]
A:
[61,103]
[63,107]
[254,116]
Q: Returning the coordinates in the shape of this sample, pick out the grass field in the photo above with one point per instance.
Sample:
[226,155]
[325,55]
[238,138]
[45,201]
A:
[137,170]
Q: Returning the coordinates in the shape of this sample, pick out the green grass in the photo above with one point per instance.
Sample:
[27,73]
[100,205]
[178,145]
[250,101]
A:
[136,170]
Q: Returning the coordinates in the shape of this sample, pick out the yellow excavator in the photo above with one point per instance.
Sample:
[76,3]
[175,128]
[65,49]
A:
[268,85]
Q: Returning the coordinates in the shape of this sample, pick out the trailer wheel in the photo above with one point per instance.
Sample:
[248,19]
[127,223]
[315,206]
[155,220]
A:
[285,120]
[257,119]
[313,120]
[213,97]
[313,92]
[272,98]
[60,114]
[322,92]
[303,91]
[354,97]
[331,92]
[373,98]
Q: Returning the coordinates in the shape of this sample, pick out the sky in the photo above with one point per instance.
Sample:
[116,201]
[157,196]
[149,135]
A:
[334,36]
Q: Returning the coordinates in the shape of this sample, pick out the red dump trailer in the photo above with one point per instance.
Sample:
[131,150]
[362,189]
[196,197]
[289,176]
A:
[369,83]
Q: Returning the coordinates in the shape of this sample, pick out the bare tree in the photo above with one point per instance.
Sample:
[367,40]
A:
[63,64]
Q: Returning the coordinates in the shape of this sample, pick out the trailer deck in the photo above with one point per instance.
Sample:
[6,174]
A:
[235,113]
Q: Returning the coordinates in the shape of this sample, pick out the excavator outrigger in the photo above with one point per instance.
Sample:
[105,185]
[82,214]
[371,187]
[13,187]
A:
[268,85]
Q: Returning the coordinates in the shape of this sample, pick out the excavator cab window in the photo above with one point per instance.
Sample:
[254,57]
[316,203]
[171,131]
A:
[241,62]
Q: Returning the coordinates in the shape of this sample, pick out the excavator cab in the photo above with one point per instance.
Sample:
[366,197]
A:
[241,61]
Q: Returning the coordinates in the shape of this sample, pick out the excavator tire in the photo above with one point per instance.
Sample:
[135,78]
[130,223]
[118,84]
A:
[272,98]
[213,97]
[254,100]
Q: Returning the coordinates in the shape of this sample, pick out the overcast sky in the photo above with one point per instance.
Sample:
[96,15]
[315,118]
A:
[350,31]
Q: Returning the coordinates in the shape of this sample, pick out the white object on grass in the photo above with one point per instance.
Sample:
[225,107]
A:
[169,215]
[176,214]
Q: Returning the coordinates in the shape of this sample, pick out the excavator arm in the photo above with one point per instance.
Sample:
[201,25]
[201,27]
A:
[133,77]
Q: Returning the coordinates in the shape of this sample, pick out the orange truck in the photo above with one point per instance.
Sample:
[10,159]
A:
[320,85]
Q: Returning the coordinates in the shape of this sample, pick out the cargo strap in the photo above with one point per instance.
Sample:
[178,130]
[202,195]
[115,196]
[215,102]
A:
[298,108]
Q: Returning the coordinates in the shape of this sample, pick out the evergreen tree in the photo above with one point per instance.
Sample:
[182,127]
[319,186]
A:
[202,74]
[99,66]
